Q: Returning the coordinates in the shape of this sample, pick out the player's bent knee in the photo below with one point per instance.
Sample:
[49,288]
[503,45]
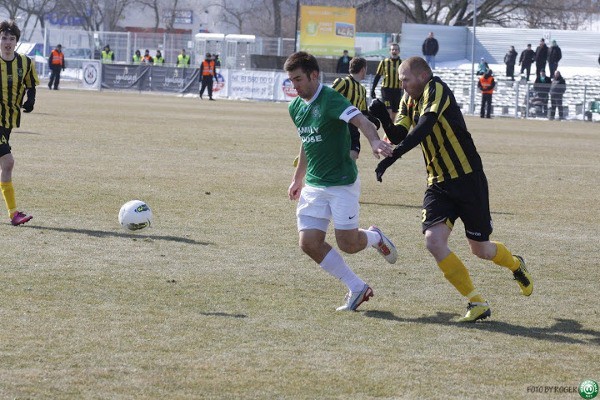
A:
[483,250]
[349,242]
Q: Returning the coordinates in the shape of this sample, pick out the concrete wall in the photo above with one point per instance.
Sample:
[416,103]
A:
[579,48]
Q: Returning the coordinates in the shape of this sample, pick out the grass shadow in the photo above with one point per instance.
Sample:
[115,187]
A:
[28,133]
[555,333]
[418,207]
[103,234]
[223,314]
[378,203]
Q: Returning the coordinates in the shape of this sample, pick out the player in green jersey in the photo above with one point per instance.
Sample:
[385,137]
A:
[325,181]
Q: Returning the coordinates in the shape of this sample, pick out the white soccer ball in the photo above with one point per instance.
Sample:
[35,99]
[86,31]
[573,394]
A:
[135,215]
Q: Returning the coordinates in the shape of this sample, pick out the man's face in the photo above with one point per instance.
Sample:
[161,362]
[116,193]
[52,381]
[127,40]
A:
[305,84]
[411,83]
[394,51]
[8,43]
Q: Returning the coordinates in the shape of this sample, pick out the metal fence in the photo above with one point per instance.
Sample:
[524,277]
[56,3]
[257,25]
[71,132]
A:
[124,45]
[514,99]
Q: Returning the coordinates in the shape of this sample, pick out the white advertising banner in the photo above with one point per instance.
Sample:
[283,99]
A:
[284,90]
[91,75]
[259,85]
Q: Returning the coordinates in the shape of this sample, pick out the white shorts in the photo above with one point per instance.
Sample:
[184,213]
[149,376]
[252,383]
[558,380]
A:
[319,205]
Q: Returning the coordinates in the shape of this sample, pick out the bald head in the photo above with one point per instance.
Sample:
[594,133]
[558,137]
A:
[416,65]
[414,73]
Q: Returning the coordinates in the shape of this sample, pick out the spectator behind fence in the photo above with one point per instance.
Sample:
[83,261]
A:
[510,59]
[343,64]
[108,56]
[137,57]
[541,87]
[183,60]
[557,89]
[159,59]
[483,67]
[147,59]
[554,56]
[486,84]
[526,59]
[541,56]
[56,61]
[430,49]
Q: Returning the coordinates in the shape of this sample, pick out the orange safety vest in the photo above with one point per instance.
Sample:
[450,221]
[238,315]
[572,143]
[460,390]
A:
[486,85]
[208,68]
[57,58]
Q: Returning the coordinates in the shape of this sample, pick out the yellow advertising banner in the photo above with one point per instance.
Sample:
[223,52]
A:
[327,31]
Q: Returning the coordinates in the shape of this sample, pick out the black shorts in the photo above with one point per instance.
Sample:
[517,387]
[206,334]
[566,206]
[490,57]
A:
[465,197]
[4,138]
[391,98]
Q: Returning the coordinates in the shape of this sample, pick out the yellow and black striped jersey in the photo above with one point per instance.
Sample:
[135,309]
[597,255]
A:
[353,90]
[16,77]
[449,150]
[388,68]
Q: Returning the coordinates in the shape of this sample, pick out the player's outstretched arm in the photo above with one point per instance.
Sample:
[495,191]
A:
[369,129]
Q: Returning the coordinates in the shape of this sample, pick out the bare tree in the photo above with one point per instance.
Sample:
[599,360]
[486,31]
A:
[459,12]
[170,22]
[235,14]
[28,13]
[11,7]
[559,14]
[97,14]
[155,6]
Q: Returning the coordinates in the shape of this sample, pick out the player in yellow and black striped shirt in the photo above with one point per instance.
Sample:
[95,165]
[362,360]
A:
[351,88]
[17,76]
[391,89]
[457,186]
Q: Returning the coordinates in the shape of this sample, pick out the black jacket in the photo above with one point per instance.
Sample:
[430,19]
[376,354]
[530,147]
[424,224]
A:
[510,58]
[554,54]
[430,47]
[541,54]
[527,57]
[558,87]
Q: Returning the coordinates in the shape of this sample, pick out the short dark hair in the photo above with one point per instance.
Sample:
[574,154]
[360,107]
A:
[301,59]
[11,28]
[357,64]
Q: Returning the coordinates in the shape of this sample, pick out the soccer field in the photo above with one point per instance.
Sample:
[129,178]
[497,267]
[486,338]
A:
[217,301]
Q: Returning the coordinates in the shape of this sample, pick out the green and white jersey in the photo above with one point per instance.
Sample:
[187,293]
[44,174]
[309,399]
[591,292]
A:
[322,125]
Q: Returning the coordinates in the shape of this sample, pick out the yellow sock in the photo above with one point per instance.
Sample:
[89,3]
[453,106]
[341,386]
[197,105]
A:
[8,192]
[504,258]
[456,273]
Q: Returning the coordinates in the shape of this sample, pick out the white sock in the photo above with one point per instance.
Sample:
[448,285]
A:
[334,264]
[373,237]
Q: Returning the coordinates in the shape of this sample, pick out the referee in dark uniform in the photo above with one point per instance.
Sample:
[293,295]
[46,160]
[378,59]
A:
[456,184]
[351,88]
[391,90]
